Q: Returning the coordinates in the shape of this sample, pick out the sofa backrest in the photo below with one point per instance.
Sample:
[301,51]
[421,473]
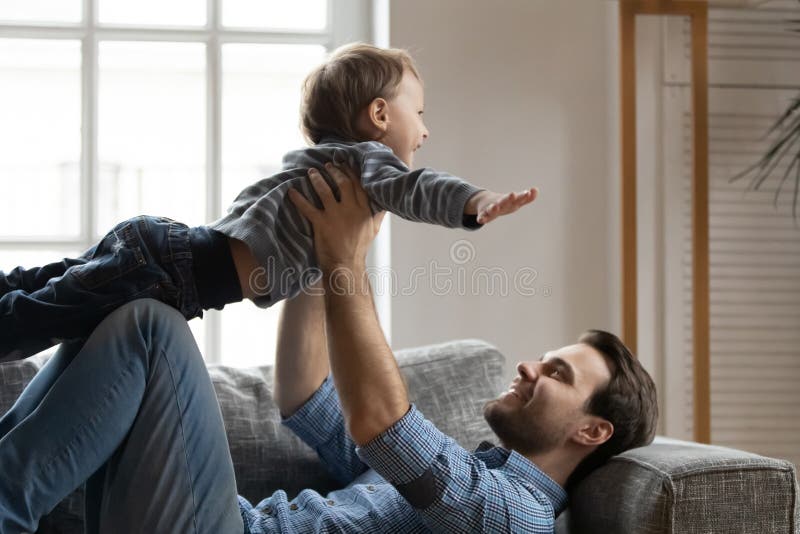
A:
[449,383]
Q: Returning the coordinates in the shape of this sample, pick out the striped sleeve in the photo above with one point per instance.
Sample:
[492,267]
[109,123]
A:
[420,195]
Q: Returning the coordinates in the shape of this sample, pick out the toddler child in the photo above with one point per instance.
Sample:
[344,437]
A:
[363,109]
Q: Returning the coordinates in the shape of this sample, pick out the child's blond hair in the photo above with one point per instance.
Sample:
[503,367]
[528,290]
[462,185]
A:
[338,90]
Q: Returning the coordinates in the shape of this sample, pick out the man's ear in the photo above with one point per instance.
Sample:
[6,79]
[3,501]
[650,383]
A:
[594,432]
[378,114]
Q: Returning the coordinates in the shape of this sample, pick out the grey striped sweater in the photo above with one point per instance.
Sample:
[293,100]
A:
[281,239]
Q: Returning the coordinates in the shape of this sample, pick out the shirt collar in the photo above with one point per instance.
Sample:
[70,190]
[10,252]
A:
[520,467]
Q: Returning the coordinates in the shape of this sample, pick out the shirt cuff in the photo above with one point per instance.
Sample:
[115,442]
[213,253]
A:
[459,198]
[404,451]
[320,417]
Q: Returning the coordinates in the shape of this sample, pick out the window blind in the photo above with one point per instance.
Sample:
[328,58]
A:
[754,70]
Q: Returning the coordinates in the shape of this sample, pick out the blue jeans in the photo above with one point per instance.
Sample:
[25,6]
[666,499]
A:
[141,257]
[132,411]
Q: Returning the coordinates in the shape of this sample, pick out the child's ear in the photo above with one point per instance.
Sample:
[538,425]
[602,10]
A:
[378,112]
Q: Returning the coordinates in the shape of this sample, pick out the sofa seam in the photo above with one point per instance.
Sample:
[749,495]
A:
[168,363]
[670,486]
[793,518]
[437,359]
[704,470]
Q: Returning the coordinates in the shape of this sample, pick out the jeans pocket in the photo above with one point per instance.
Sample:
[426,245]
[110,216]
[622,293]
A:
[118,254]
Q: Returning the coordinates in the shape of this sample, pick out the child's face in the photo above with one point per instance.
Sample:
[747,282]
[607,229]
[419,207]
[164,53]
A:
[405,130]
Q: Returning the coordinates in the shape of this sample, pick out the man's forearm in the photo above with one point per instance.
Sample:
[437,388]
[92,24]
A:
[371,389]
[301,359]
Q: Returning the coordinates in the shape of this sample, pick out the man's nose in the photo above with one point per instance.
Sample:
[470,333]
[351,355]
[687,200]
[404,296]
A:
[528,370]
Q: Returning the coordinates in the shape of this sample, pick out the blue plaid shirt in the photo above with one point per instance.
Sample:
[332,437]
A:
[412,478]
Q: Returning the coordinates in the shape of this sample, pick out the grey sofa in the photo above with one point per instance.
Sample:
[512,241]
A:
[667,487]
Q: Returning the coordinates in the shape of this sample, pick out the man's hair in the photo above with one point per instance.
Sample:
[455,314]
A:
[628,402]
[338,90]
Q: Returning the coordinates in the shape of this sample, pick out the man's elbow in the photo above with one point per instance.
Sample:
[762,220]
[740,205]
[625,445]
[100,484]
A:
[364,426]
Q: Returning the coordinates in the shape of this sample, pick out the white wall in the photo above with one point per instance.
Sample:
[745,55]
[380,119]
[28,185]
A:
[518,93]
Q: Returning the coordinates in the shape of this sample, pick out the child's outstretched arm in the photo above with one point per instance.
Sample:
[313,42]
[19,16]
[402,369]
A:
[431,196]
[488,205]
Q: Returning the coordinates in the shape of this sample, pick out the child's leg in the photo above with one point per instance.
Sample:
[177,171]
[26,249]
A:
[141,257]
[34,278]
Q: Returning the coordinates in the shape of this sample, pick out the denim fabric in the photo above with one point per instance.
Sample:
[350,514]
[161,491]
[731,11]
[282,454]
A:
[141,257]
[134,411]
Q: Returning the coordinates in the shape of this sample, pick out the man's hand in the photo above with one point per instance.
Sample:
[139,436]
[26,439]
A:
[489,205]
[343,229]
[365,373]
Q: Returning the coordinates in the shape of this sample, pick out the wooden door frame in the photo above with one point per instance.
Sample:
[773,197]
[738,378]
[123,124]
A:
[697,11]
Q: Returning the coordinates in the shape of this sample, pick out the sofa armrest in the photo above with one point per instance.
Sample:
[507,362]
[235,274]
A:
[674,486]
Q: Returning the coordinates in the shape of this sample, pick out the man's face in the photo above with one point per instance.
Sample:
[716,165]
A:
[406,131]
[544,406]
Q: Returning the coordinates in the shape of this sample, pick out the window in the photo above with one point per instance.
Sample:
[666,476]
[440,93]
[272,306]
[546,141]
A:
[114,108]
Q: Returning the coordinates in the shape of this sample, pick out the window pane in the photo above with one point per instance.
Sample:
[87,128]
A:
[40,136]
[276,14]
[198,328]
[249,334]
[152,124]
[11,258]
[40,10]
[153,12]
[260,102]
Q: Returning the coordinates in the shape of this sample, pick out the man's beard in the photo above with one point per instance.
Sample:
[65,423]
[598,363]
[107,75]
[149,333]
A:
[521,430]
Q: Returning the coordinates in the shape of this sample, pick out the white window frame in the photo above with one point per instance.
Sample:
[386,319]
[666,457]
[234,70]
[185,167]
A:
[348,20]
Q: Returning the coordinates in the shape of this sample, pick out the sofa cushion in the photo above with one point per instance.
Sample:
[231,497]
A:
[449,383]
[683,487]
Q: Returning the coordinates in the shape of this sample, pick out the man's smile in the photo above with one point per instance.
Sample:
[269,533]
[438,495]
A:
[521,392]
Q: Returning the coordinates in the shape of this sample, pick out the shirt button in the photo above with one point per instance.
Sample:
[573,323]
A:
[293,507]
[331,503]
[370,488]
[268,509]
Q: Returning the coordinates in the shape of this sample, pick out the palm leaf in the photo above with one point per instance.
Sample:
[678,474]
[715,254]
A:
[785,146]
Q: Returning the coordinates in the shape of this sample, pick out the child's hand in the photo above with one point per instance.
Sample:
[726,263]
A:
[489,205]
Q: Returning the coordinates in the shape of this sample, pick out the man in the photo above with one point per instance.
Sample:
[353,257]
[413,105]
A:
[132,410]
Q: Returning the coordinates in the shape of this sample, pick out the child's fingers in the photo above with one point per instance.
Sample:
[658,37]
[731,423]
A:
[526,197]
[306,208]
[530,194]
